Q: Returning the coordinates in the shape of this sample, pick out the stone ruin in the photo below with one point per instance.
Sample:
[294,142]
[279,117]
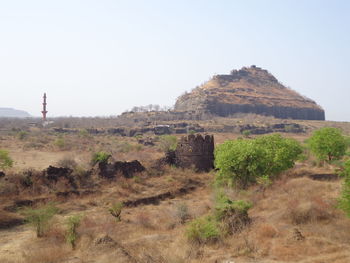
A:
[126,169]
[195,151]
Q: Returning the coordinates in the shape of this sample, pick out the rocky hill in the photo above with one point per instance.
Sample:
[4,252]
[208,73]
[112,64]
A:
[12,113]
[249,90]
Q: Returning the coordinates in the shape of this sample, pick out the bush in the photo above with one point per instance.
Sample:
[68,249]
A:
[60,143]
[73,223]
[22,135]
[182,212]
[84,133]
[344,200]
[5,159]
[40,217]
[246,133]
[168,143]
[203,230]
[67,162]
[242,161]
[328,144]
[116,210]
[232,215]
[228,217]
[100,157]
[225,207]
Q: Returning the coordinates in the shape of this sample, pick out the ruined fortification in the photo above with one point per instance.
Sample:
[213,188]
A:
[195,151]
[248,90]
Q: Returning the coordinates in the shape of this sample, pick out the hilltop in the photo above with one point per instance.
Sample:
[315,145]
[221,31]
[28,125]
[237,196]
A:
[13,113]
[248,90]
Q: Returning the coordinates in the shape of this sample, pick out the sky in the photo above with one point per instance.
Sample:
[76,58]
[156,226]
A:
[100,58]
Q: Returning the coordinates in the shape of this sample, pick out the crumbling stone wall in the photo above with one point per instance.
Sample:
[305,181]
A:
[127,169]
[197,151]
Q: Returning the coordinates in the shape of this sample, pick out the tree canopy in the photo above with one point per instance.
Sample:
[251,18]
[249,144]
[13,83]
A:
[328,144]
[241,162]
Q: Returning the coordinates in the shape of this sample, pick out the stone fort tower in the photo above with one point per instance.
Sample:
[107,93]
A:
[197,151]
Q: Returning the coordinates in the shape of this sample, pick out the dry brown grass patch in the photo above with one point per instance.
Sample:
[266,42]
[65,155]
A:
[144,219]
[266,231]
[53,254]
[92,226]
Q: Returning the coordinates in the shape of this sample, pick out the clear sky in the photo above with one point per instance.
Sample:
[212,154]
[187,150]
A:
[99,58]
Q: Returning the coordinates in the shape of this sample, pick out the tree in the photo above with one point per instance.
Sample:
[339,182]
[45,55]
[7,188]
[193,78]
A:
[328,144]
[5,159]
[281,153]
[242,162]
[73,223]
[40,217]
[239,162]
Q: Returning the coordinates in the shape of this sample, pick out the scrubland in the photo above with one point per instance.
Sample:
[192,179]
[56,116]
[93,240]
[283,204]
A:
[295,219]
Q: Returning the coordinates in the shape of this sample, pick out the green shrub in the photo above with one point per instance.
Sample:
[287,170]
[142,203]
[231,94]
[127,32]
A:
[60,143]
[224,207]
[246,133]
[203,230]
[5,159]
[232,215]
[84,133]
[167,143]
[100,157]
[344,200]
[40,217]
[116,210]
[71,234]
[328,144]
[241,162]
[22,135]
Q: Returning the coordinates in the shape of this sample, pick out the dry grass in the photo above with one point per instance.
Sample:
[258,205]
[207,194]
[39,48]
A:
[45,255]
[155,232]
[266,231]
[144,219]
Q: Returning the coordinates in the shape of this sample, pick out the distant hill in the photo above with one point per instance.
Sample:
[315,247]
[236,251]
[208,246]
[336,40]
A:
[249,90]
[13,113]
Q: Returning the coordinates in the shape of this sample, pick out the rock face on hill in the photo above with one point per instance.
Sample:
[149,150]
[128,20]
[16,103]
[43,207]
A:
[248,90]
[12,113]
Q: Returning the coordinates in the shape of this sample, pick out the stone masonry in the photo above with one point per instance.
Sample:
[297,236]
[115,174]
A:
[196,151]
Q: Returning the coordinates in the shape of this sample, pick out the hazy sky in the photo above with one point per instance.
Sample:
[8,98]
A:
[102,57]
